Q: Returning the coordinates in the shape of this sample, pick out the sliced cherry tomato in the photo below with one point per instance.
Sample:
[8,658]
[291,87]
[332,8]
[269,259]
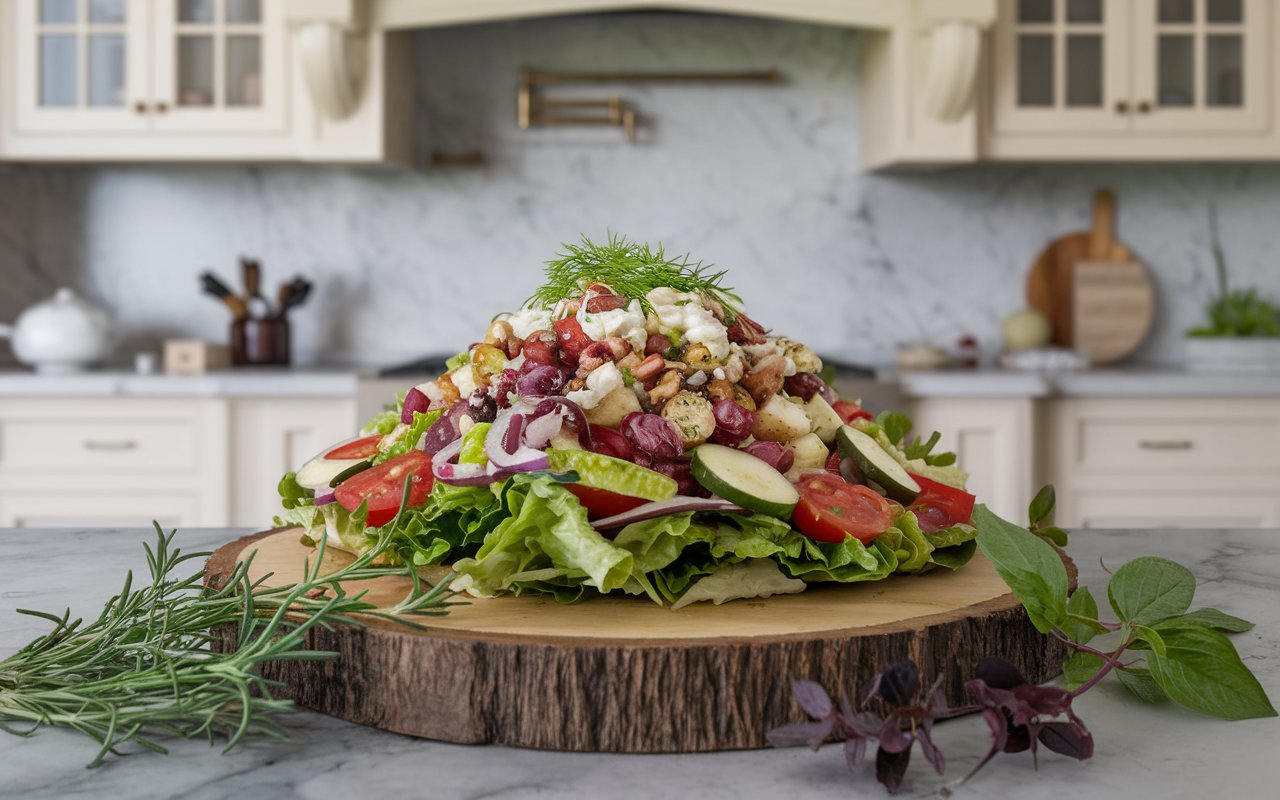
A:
[360,448]
[831,508]
[601,503]
[833,463]
[608,442]
[382,486]
[940,506]
[849,411]
[571,338]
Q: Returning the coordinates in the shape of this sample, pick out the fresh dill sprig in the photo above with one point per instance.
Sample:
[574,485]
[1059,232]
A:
[177,659]
[632,269]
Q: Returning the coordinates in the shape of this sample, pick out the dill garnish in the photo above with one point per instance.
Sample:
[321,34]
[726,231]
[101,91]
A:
[630,268]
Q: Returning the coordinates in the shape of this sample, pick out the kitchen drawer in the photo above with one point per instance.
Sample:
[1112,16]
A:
[1176,437]
[57,508]
[86,444]
[1206,509]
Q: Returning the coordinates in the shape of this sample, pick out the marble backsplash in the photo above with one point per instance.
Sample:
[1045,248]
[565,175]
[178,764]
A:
[763,180]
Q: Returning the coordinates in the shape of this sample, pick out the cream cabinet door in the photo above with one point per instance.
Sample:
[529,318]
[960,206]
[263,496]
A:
[1201,65]
[994,441]
[220,65]
[1061,65]
[1204,509]
[80,66]
[272,436]
[96,508]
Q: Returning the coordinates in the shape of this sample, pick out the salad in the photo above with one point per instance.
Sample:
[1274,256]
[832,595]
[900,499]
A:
[630,429]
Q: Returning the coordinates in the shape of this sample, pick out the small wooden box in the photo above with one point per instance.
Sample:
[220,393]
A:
[194,357]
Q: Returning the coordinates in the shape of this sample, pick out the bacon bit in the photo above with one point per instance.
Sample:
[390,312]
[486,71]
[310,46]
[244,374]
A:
[766,379]
[600,298]
[649,368]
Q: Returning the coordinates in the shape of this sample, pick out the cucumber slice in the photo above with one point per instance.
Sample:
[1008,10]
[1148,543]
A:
[612,474]
[876,464]
[318,473]
[739,477]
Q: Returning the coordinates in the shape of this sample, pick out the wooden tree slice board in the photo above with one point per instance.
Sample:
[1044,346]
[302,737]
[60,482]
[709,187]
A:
[625,675]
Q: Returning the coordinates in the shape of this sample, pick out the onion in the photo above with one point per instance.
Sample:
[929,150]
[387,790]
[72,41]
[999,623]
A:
[675,505]
[539,431]
[324,499]
[573,412]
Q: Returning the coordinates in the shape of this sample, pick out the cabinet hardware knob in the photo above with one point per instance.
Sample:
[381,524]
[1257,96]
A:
[1144,107]
[1122,107]
[139,107]
[161,107]
[124,444]
[1177,444]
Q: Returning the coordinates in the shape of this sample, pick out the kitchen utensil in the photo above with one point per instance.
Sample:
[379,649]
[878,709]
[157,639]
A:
[251,277]
[218,289]
[1051,281]
[1113,308]
[293,294]
[636,661]
[60,335]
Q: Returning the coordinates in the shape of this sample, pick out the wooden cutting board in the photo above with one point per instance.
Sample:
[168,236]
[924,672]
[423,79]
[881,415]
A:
[621,674]
[1103,313]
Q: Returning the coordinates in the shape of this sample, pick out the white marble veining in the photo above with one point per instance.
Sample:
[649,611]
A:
[763,180]
[1141,751]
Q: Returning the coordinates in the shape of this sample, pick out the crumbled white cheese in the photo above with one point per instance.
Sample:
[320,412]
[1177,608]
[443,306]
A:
[463,380]
[790,368]
[602,380]
[769,347]
[685,313]
[627,323]
[527,320]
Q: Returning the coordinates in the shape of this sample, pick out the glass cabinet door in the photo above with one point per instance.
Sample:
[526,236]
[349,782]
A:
[1200,64]
[1061,65]
[220,64]
[81,65]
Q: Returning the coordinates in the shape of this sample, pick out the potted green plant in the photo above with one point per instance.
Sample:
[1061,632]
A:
[1243,330]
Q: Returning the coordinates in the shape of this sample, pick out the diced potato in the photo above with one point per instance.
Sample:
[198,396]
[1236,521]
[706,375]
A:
[809,452]
[565,439]
[613,407]
[780,421]
[823,419]
[692,415]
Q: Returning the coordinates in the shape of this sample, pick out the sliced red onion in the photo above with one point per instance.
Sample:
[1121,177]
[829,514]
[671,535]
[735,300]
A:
[675,505]
[611,443]
[462,474]
[539,431]
[324,499]
[573,412]
[414,401]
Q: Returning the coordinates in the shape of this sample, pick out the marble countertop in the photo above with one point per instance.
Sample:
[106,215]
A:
[1141,751]
[1111,382]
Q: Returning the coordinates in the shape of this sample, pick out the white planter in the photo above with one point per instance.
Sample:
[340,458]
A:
[1233,354]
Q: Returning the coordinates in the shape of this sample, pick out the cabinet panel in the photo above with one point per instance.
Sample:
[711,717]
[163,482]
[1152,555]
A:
[80,67]
[93,509]
[1175,510]
[270,437]
[1201,65]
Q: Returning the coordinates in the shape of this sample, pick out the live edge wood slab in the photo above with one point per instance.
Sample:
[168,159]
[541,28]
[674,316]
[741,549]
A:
[624,675]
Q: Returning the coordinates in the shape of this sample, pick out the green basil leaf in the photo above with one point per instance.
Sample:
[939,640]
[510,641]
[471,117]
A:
[1149,589]
[1054,534]
[1152,637]
[1080,667]
[895,424]
[1217,620]
[1202,671]
[1140,683]
[1081,623]
[1031,568]
[1041,509]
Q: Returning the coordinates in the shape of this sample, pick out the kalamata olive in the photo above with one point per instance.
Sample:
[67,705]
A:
[503,386]
[656,343]
[609,442]
[733,423]
[652,434]
[539,380]
[778,456]
[481,406]
[540,347]
[415,400]
[682,472]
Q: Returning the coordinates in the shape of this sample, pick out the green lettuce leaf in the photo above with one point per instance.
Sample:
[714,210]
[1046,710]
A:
[387,420]
[911,548]
[452,523]
[411,436]
[756,577]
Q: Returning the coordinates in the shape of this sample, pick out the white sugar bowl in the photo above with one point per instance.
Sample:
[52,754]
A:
[60,335]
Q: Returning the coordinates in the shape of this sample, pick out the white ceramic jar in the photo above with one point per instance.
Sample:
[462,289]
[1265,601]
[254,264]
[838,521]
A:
[62,334]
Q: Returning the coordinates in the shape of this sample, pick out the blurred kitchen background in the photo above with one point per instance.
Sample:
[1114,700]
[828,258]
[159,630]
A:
[886,180]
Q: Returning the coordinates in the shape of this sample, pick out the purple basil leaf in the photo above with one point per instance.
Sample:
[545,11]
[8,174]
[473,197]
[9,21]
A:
[899,683]
[999,674]
[855,750]
[890,767]
[1018,739]
[924,735]
[892,737]
[812,698]
[806,734]
[1067,738]
[999,727]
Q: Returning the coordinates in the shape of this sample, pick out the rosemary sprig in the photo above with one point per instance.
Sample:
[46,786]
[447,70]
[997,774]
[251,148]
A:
[150,666]
[631,269]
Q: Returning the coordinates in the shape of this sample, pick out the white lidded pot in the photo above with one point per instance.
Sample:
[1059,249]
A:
[60,335]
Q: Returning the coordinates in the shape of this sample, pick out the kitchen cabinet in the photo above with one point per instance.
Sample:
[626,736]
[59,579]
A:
[182,461]
[201,80]
[1164,462]
[994,440]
